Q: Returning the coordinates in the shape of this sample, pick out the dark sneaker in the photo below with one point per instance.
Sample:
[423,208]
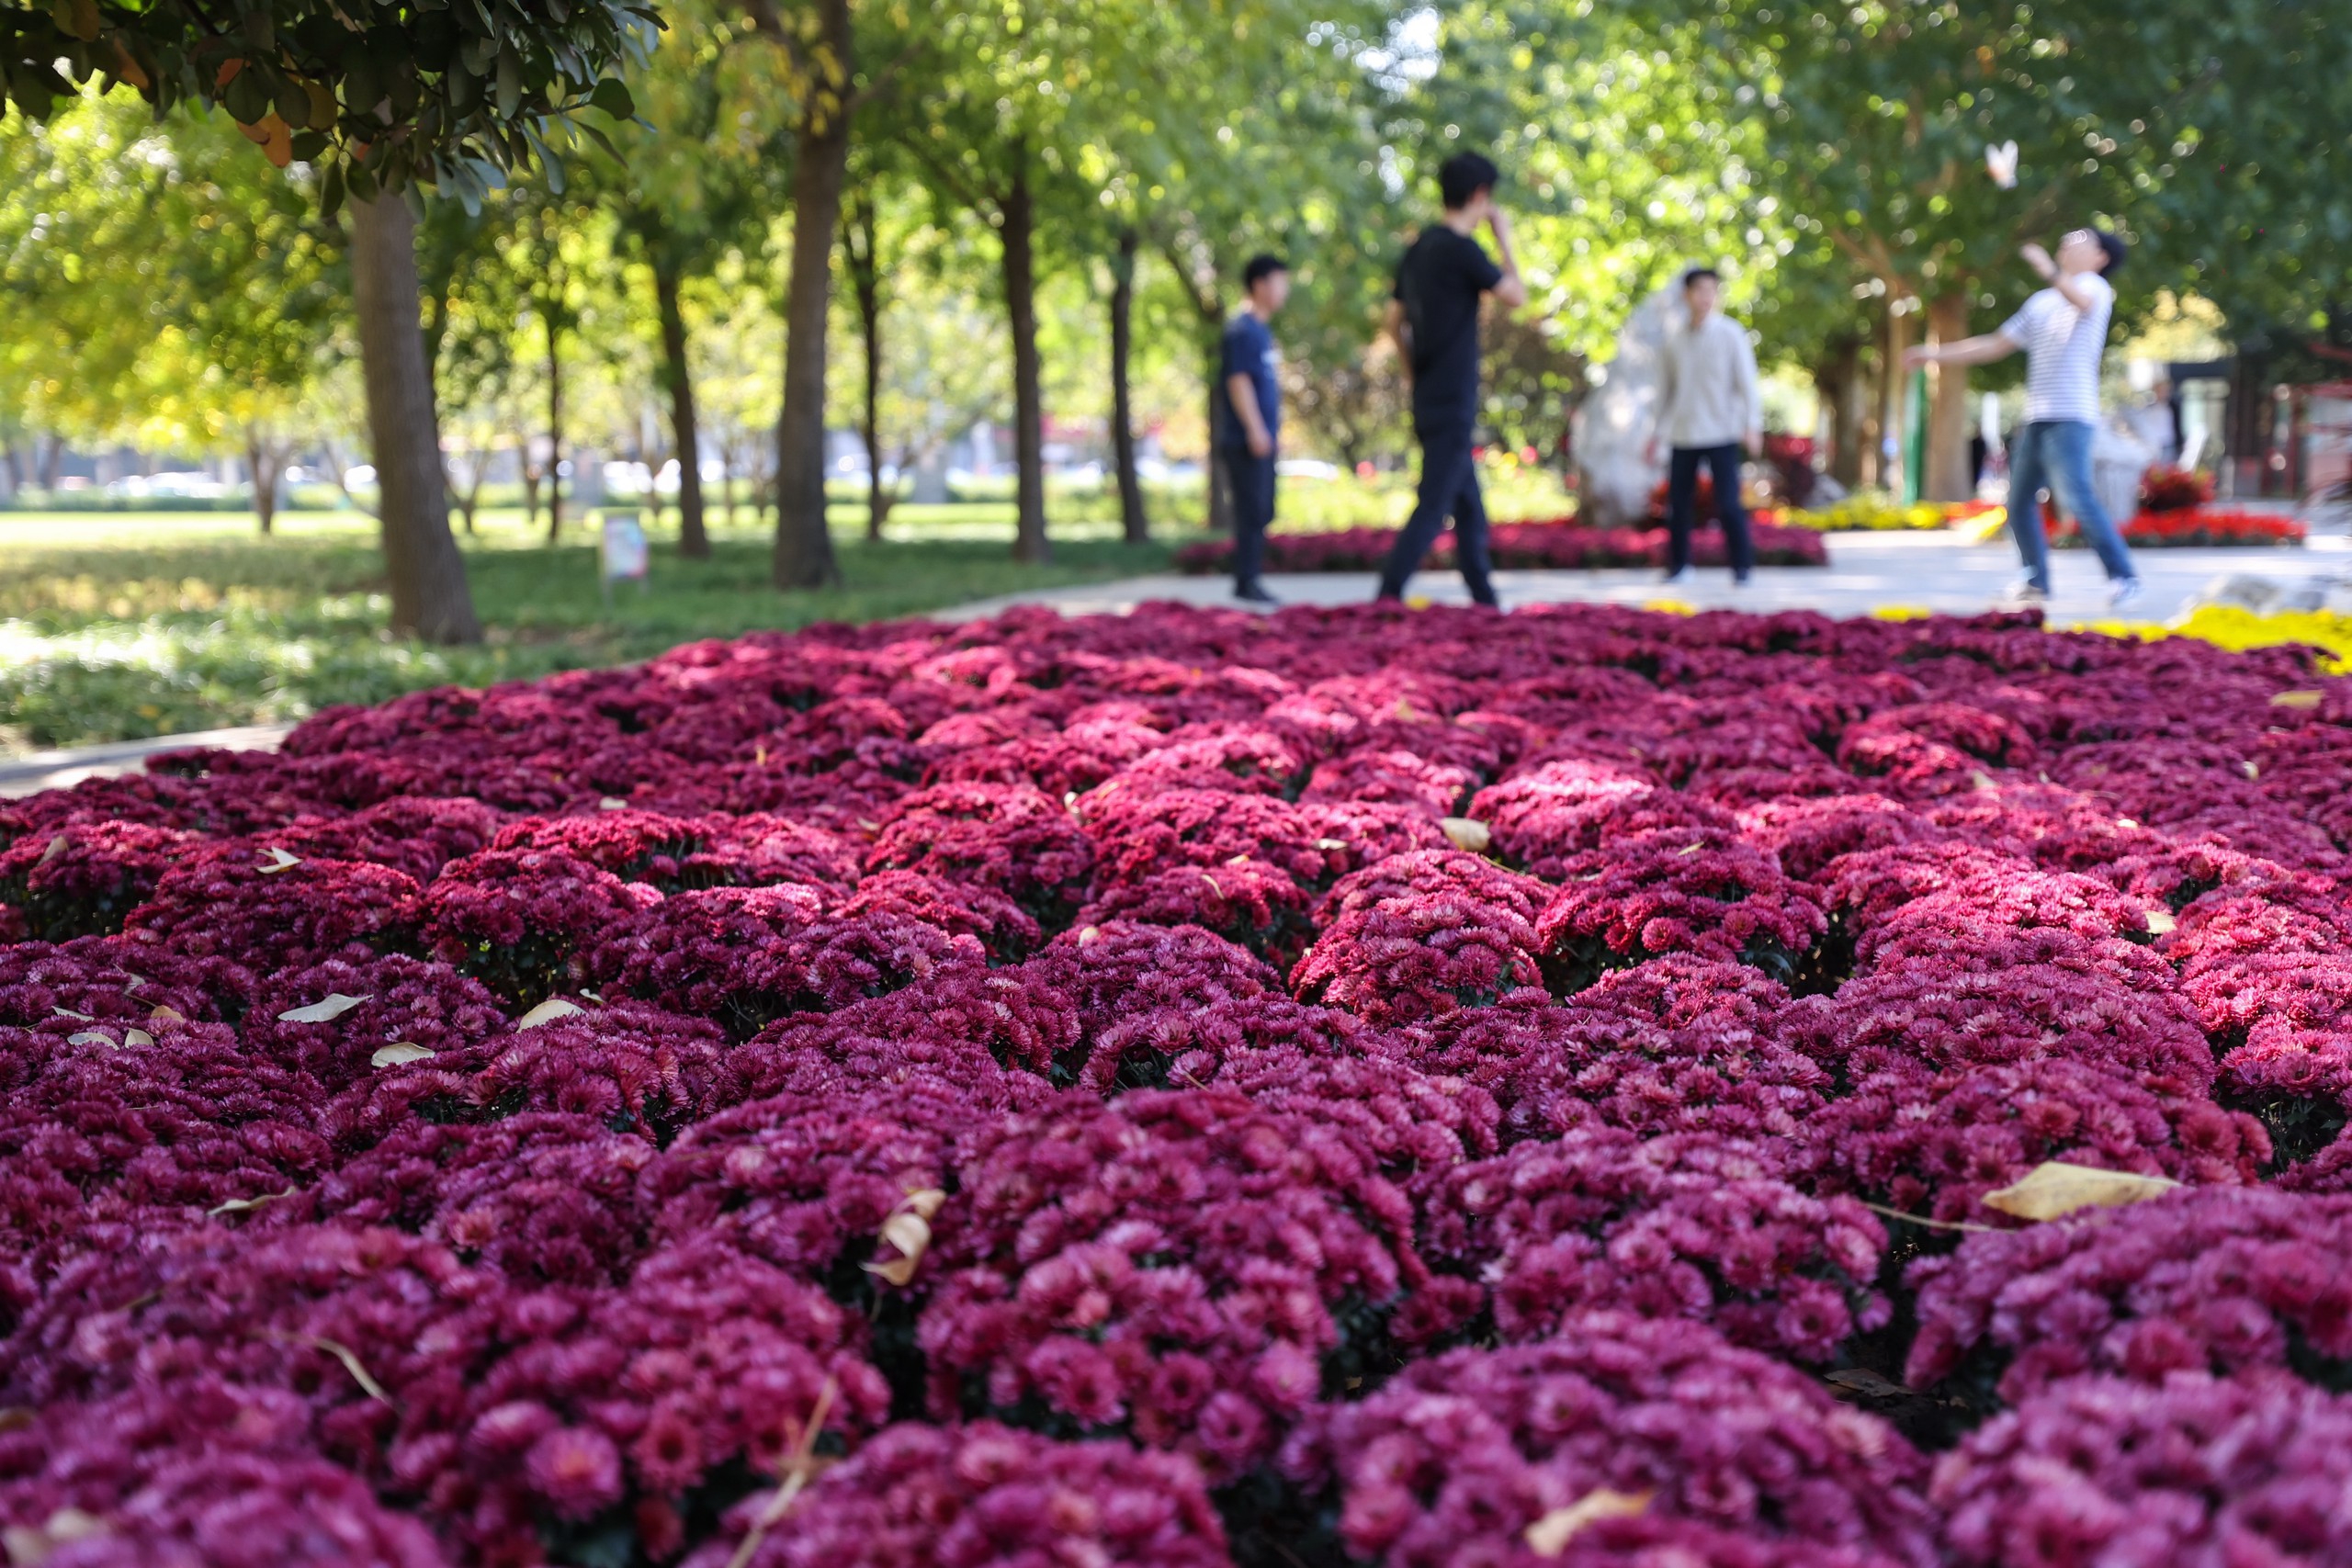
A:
[1255,593]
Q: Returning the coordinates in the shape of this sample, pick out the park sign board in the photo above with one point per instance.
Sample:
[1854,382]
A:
[375,94]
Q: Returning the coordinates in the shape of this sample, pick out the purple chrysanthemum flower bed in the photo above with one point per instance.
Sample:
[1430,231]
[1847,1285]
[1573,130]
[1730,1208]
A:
[1356,1086]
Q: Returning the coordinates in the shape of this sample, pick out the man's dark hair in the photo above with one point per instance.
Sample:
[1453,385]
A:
[1696,272]
[2115,248]
[1461,177]
[1263,264]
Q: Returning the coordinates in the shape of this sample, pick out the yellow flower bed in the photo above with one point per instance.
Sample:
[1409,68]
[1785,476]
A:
[1867,513]
[2238,629]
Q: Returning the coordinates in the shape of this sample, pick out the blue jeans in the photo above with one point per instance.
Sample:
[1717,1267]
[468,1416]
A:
[2055,454]
[1681,505]
[1448,487]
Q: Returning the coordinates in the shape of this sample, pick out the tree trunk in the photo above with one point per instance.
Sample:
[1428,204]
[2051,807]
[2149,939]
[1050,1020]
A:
[530,472]
[694,539]
[555,432]
[866,285]
[52,465]
[1134,524]
[1892,383]
[1218,519]
[261,467]
[804,547]
[1837,382]
[430,598]
[1019,237]
[1948,422]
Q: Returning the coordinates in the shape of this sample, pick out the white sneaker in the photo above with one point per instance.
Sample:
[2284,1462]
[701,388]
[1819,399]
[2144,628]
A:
[1681,578]
[2022,594]
[2126,590]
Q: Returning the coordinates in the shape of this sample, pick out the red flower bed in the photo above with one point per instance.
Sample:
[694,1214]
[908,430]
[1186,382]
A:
[2197,525]
[1342,1087]
[1515,546]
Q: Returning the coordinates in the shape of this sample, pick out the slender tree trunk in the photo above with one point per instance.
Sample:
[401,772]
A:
[1892,383]
[1218,518]
[1949,425]
[1840,381]
[261,467]
[430,598]
[14,464]
[555,432]
[858,248]
[694,539]
[1019,239]
[53,463]
[530,472]
[804,547]
[1134,525]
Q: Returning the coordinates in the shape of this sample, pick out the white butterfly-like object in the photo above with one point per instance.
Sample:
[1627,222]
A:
[2001,163]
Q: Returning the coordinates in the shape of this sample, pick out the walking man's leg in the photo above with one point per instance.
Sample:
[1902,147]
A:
[2026,478]
[1470,538]
[1253,511]
[2066,455]
[1445,465]
[1681,501]
[1739,547]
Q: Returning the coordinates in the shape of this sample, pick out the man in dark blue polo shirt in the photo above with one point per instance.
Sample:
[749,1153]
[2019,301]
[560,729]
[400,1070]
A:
[1434,318]
[1249,417]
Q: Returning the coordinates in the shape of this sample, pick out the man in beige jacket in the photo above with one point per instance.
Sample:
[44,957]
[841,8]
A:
[1709,407]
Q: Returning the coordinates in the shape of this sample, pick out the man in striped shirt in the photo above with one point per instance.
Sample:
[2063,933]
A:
[2063,331]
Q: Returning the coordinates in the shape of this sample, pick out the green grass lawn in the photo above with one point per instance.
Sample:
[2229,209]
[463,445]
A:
[120,625]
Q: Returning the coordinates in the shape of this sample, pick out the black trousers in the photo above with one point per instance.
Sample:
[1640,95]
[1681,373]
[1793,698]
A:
[1449,488]
[1681,494]
[1253,510]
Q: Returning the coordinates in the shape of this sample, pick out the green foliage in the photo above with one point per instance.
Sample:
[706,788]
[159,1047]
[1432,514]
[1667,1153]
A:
[447,92]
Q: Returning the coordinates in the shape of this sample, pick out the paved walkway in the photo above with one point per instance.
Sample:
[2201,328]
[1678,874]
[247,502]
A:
[1941,572]
[38,770]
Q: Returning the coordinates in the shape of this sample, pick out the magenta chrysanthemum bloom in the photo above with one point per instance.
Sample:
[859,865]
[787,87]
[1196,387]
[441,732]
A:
[977,1496]
[1019,840]
[1699,891]
[2193,1469]
[81,879]
[1465,1453]
[523,921]
[2226,1280]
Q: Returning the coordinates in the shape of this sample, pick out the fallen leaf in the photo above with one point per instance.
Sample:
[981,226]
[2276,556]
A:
[399,1054]
[334,1006]
[2252,771]
[166,1015]
[908,1230]
[137,1037]
[613,803]
[28,1547]
[1468,833]
[57,846]
[238,1205]
[1214,889]
[1690,848]
[2161,922]
[548,1011]
[279,861]
[1328,845]
[1549,1536]
[1238,860]
[68,1012]
[2297,699]
[91,1037]
[2055,1189]
[1089,934]
[1863,1380]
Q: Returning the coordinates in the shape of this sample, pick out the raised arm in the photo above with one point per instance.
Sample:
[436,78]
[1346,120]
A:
[2069,285]
[1981,350]
[1510,289]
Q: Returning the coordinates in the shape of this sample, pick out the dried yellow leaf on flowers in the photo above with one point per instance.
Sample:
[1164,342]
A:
[1549,1536]
[2055,1189]
[399,1054]
[2160,922]
[548,1011]
[279,861]
[1467,833]
[2297,699]
[908,1230]
[334,1006]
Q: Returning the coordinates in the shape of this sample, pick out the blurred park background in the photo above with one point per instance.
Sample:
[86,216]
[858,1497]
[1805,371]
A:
[863,309]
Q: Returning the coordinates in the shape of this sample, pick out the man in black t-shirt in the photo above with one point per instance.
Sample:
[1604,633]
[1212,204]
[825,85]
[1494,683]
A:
[1434,318]
[1249,417]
